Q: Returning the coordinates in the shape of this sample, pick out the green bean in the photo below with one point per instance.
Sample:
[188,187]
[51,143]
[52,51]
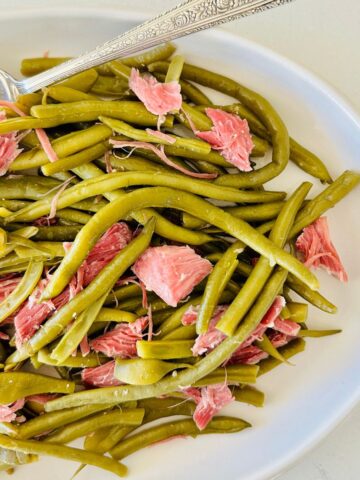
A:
[51,421]
[185,332]
[248,394]
[73,216]
[115,315]
[192,144]
[164,349]
[253,213]
[159,53]
[163,227]
[89,110]
[26,187]
[325,200]
[189,376]
[315,298]
[126,164]
[110,86]
[317,333]
[102,283]
[263,268]
[59,233]
[82,427]
[28,123]
[156,305]
[232,374]
[77,361]
[119,69]
[67,453]
[79,328]
[298,312]
[131,304]
[109,182]
[33,66]
[266,345]
[64,147]
[288,351]
[123,293]
[141,371]
[216,284]
[260,106]
[81,81]
[172,429]
[175,67]
[17,385]
[22,291]
[84,156]
[65,94]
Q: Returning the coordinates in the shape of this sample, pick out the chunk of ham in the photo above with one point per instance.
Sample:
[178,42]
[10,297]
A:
[158,98]
[32,314]
[317,249]
[8,412]
[102,376]
[7,286]
[231,136]
[171,271]
[209,401]
[9,148]
[213,337]
[121,340]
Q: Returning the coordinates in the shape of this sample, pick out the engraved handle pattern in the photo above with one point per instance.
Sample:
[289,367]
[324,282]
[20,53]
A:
[188,17]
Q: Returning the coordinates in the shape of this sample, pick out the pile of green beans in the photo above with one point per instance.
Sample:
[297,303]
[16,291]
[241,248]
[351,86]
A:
[229,217]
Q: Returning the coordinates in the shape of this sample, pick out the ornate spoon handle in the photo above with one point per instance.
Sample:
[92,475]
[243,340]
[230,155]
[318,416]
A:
[188,17]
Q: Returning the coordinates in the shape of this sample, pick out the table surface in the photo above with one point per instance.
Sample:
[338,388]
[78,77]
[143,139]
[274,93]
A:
[324,37]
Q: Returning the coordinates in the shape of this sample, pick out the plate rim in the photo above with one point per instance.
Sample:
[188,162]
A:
[333,94]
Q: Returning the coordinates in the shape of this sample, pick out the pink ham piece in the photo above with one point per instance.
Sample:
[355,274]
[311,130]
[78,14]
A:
[9,148]
[121,340]
[8,285]
[171,271]
[209,401]
[190,316]
[213,337]
[317,250]
[32,314]
[102,376]
[42,398]
[8,412]
[231,136]
[249,355]
[158,98]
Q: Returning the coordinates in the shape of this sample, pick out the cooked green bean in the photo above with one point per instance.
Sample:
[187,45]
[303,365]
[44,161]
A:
[67,453]
[17,385]
[82,427]
[65,94]
[325,200]
[185,332]
[216,284]
[313,297]
[288,351]
[64,147]
[123,293]
[71,161]
[189,376]
[173,429]
[164,349]
[266,345]
[249,394]
[115,315]
[102,283]
[33,66]
[298,312]
[88,110]
[78,329]
[260,106]
[110,86]
[318,333]
[22,291]
[58,233]
[263,267]
[81,81]
[144,371]
[175,67]
[232,374]
[26,187]
[74,361]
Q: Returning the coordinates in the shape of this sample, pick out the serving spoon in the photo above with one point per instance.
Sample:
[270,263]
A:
[188,17]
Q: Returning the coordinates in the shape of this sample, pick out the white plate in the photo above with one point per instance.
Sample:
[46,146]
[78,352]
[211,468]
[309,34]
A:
[302,402]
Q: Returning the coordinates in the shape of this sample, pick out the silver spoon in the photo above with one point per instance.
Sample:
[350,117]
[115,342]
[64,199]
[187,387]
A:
[188,17]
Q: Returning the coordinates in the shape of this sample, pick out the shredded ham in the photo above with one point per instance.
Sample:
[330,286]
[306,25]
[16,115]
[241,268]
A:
[44,222]
[161,135]
[84,346]
[32,314]
[9,143]
[121,340]
[213,337]
[209,401]
[317,249]
[158,98]
[40,132]
[102,376]
[4,336]
[109,168]
[8,412]
[161,154]
[42,398]
[231,136]
[7,286]
[171,271]
[190,316]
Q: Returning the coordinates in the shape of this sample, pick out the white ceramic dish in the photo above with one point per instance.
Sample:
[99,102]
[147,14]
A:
[304,402]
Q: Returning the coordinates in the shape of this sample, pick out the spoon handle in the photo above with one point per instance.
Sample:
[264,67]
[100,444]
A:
[188,17]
